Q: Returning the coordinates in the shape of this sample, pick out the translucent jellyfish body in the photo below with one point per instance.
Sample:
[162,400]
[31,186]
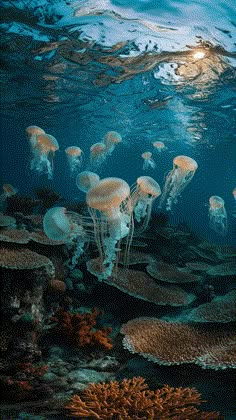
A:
[8,191]
[74,158]
[234,193]
[111,139]
[177,180]
[159,146]
[97,154]
[86,179]
[142,198]
[148,161]
[217,215]
[109,209]
[61,225]
[43,148]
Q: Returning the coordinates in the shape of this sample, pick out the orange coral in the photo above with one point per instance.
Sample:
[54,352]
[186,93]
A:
[131,399]
[79,329]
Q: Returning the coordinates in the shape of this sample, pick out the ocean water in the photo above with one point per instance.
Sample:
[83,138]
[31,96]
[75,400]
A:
[149,70]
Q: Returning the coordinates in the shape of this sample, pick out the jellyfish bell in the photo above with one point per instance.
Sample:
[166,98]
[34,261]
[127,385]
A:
[97,154]
[62,225]
[159,146]
[32,132]
[148,161]
[142,198]
[177,179]
[74,158]
[9,190]
[86,179]
[107,202]
[234,193]
[111,139]
[43,150]
[218,215]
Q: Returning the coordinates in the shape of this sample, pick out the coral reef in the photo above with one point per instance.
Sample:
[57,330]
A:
[131,399]
[80,329]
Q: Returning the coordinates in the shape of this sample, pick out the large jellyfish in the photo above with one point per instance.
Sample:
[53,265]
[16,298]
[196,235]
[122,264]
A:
[109,207]
[217,215]
[148,161]
[97,154]
[62,225]
[43,148]
[86,179]
[74,158]
[177,179]
[32,132]
[111,139]
[159,146]
[142,198]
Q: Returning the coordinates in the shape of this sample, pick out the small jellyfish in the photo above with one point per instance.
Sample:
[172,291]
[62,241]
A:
[177,179]
[111,139]
[159,146]
[217,215]
[108,206]
[234,193]
[8,191]
[97,154]
[148,161]
[142,198]
[74,158]
[43,148]
[32,132]
[86,179]
[62,225]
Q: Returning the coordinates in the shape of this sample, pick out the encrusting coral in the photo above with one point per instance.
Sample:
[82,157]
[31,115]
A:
[131,399]
[80,329]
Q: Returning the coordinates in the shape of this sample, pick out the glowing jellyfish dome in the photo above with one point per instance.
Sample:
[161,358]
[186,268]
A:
[177,180]
[62,225]
[86,179]
[234,193]
[142,198]
[97,154]
[43,147]
[109,209]
[74,158]
[148,161]
[217,215]
[159,146]
[111,139]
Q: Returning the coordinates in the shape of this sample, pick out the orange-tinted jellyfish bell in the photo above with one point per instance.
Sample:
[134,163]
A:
[177,179]
[43,151]
[108,205]
[111,139]
[97,154]
[159,146]
[74,158]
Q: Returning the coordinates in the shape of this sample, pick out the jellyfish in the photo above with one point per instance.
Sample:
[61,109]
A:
[8,191]
[32,132]
[111,139]
[62,225]
[74,158]
[109,209]
[86,179]
[159,146]
[217,215]
[43,148]
[148,161]
[97,154]
[234,193]
[177,179]
[142,198]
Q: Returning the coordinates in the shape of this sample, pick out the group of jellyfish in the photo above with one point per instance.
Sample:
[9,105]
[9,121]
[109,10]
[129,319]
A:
[117,212]
[148,161]
[112,219]
[43,147]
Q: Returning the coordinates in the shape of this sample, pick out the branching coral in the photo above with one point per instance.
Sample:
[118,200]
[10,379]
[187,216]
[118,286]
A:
[131,399]
[80,329]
